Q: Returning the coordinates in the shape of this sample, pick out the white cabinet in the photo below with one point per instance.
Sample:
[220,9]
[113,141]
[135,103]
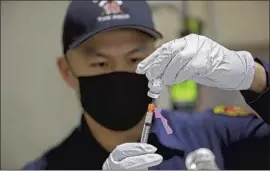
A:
[238,23]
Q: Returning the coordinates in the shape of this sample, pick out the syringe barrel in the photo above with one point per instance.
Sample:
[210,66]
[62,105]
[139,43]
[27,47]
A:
[147,123]
[146,127]
[148,118]
[145,133]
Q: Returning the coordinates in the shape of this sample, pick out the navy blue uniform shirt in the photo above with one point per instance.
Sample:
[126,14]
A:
[238,142]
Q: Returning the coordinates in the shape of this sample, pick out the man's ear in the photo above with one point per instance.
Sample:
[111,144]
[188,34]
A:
[65,72]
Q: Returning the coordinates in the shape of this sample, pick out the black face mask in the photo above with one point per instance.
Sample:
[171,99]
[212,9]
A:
[117,101]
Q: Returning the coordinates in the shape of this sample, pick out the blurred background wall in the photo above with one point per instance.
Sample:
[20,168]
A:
[37,108]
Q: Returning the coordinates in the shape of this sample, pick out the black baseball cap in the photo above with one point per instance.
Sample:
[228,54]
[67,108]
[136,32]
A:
[84,19]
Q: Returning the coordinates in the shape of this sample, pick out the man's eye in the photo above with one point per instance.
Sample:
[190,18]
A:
[98,64]
[136,60]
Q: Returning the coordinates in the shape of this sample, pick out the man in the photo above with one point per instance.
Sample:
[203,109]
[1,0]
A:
[103,44]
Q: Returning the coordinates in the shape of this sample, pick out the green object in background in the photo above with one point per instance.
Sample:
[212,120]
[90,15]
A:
[184,92]
[193,25]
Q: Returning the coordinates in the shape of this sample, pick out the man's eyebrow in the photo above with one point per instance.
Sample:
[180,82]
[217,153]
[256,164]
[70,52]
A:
[136,50]
[93,52]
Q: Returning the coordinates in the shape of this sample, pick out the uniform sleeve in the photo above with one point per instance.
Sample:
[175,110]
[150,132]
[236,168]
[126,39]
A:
[39,164]
[246,141]
[260,102]
[239,128]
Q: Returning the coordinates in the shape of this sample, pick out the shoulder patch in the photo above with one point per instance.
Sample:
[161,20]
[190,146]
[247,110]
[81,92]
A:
[231,111]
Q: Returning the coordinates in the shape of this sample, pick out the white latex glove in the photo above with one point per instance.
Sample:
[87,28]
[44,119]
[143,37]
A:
[132,156]
[200,59]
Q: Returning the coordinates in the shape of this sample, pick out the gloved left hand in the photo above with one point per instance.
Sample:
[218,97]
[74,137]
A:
[200,59]
[132,156]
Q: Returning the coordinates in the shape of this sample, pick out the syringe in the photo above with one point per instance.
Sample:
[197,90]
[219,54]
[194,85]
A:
[147,123]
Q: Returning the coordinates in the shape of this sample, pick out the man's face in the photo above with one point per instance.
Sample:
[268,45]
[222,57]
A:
[110,51]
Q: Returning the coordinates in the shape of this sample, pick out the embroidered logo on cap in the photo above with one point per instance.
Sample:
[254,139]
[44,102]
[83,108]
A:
[111,11]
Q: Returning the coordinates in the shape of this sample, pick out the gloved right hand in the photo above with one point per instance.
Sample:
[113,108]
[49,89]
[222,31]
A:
[132,156]
[200,59]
